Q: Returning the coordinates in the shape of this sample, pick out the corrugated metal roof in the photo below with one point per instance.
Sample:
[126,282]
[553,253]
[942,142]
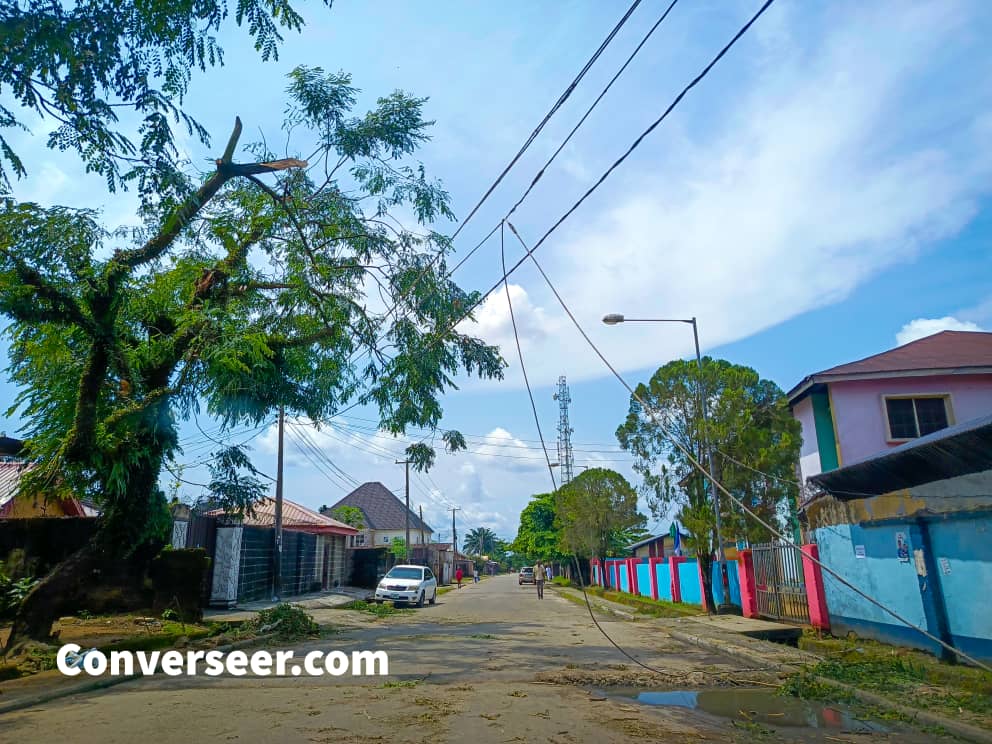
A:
[957,450]
[294,516]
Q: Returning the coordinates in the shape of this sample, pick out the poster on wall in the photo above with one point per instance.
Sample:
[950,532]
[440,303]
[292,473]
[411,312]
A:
[859,551]
[902,547]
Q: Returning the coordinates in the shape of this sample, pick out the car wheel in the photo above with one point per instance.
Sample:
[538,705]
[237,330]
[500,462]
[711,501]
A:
[434,597]
[420,600]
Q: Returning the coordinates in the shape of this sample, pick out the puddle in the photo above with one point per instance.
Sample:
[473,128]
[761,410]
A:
[760,706]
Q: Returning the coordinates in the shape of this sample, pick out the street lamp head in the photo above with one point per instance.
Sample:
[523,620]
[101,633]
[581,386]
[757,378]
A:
[613,318]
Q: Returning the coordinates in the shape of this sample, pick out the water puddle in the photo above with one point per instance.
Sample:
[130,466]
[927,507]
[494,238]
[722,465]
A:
[757,705]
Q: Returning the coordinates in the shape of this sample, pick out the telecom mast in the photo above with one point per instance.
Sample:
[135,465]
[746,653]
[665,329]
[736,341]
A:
[564,431]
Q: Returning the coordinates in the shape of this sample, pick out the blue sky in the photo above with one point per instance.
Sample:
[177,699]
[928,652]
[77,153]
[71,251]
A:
[822,193]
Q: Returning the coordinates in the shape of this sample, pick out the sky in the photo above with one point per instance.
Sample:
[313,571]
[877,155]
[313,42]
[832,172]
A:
[823,195]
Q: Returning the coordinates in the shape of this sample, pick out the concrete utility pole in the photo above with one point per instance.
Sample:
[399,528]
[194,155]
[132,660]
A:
[408,546]
[454,534]
[615,318]
[277,553]
[422,533]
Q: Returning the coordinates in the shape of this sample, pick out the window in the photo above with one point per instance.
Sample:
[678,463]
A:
[909,418]
[428,574]
[385,538]
[358,540]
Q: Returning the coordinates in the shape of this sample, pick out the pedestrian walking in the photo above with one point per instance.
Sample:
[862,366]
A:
[458,577]
[539,576]
[475,575]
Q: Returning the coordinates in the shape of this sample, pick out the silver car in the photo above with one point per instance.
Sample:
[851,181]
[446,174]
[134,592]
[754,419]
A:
[408,584]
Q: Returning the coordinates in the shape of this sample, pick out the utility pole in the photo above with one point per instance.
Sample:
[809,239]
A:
[721,555]
[408,546]
[454,542]
[422,533]
[277,554]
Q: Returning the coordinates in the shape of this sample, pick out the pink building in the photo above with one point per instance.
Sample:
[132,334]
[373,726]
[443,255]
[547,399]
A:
[859,409]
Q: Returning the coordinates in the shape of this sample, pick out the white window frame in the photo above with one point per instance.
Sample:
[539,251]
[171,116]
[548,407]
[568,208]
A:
[948,410]
[358,540]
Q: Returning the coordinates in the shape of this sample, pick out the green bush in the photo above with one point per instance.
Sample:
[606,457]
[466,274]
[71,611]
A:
[12,592]
[287,621]
[561,581]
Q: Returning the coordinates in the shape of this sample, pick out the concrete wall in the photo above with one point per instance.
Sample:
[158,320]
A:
[644,579]
[384,538]
[809,453]
[859,411]
[733,580]
[663,573]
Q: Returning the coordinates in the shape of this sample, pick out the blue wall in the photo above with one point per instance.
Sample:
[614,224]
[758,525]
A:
[689,582]
[664,581]
[732,579]
[624,583]
[966,544]
[644,579]
[879,574]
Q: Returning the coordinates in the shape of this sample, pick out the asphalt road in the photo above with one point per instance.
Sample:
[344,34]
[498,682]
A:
[489,662]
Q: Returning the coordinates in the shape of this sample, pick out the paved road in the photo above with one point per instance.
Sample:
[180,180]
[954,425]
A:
[489,662]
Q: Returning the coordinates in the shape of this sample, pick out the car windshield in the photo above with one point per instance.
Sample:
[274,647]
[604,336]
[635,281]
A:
[526,570]
[404,573]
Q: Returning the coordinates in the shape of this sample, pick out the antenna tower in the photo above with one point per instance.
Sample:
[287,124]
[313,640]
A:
[564,431]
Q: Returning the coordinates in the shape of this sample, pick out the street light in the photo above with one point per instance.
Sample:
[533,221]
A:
[614,319]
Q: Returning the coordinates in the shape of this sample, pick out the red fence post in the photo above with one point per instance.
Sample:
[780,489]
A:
[673,575]
[702,585]
[632,575]
[815,594]
[652,562]
[749,598]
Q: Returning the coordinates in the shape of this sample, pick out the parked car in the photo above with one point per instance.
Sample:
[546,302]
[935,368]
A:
[408,584]
[526,576]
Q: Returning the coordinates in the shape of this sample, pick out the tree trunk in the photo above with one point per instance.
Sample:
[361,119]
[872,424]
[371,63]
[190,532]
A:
[706,568]
[132,530]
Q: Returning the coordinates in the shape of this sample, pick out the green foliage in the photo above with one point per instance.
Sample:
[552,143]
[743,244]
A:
[242,297]
[12,593]
[287,621]
[90,66]
[349,515]
[480,541]
[170,614]
[374,608]
[749,423]
[561,581]
[597,514]
[538,537]
[398,549]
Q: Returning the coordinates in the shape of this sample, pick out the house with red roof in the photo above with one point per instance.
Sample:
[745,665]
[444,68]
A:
[861,408]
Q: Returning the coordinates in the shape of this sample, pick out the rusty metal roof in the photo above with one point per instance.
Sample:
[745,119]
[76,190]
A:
[294,517]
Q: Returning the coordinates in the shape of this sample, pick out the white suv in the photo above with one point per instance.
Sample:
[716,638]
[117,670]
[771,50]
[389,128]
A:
[410,584]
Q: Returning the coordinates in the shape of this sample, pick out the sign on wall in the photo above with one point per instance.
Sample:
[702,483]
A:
[902,547]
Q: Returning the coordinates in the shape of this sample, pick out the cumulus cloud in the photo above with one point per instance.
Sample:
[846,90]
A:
[923,327]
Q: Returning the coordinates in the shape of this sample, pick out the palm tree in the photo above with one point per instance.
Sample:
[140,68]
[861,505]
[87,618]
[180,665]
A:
[480,541]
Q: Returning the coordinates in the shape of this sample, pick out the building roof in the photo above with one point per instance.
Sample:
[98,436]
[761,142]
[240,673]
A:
[957,450]
[947,352]
[294,517]
[382,509]
[9,446]
[10,476]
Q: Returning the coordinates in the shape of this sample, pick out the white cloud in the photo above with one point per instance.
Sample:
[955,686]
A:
[923,327]
[494,324]
[792,196]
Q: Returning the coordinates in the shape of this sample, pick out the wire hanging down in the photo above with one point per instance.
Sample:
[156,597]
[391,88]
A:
[717,484]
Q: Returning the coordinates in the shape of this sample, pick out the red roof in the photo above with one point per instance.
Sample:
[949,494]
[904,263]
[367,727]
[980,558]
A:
[951,351]
[294,517]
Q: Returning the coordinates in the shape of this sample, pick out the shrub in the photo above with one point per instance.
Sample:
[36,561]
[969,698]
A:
[12,592]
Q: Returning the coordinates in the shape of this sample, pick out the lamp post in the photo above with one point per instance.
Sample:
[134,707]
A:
[616,318]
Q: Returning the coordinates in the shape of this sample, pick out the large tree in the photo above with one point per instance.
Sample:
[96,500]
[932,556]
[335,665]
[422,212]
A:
[111,77]
[597,514]
[300,291]
[539,535]
[754,438]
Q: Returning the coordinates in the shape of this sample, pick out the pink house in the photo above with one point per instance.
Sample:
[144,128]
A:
[859,409]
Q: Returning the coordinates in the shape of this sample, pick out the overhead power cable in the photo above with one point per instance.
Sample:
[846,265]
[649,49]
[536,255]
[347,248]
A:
[687,453]
[566,94]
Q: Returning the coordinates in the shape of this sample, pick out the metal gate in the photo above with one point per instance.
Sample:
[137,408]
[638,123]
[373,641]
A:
[779,582]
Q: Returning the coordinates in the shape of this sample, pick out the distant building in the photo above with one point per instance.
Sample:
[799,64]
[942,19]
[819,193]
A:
[857,410]
[385,517]
[12,467]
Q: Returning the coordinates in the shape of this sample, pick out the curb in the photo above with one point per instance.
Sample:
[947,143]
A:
[596,603]
[964,731]
[103,683]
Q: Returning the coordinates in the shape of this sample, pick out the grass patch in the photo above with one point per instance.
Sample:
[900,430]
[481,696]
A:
[399,683]
[641,605]
[912,678]
[444,589]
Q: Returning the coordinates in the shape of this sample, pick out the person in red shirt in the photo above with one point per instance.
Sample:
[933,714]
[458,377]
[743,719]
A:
[458,577]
